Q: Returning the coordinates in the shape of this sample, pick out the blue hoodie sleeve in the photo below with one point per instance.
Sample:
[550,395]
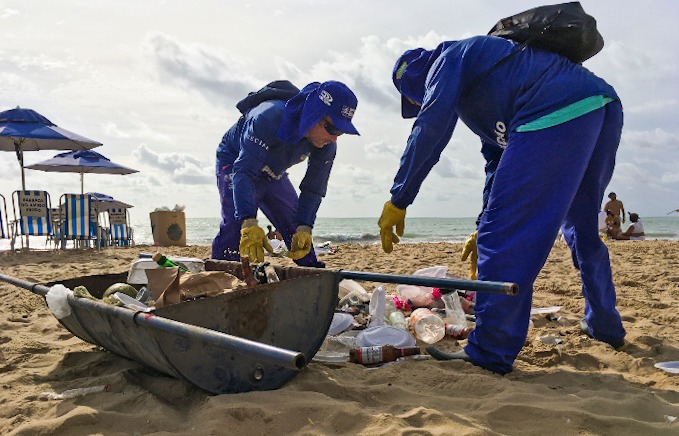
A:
[315,183]
[257,137]
[431,131]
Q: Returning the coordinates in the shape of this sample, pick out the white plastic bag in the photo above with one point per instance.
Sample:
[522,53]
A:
[57,301]
[421,296]
[454,312]
[351,291]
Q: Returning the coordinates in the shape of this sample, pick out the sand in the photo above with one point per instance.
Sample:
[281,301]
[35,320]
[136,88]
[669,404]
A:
[580,386]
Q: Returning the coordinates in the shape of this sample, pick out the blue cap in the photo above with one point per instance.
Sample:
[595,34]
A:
[410,76]
[312,103]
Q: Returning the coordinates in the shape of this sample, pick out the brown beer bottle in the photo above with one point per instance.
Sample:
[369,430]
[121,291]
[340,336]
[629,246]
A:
[385,353]
[248,276]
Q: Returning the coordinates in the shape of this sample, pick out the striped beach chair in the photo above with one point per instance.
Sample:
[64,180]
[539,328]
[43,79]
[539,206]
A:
[120,231]
[78,222]
[31,216]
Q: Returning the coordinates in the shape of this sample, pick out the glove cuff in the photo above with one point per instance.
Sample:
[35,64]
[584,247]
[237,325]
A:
[305,229]
[389,206]
[396,207]
[249,222]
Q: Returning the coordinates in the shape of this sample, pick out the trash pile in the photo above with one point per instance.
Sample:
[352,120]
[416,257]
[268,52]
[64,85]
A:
[162,284]
[176,208]
[375,328]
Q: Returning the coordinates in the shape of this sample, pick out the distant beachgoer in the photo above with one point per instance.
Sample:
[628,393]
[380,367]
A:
[281,126]
[270,234]
[634,232]
[612,225]
[615,206]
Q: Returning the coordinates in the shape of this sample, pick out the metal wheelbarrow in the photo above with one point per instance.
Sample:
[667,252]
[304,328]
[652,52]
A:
[248,339]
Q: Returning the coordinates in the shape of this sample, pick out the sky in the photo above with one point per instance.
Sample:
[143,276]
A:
[156,82]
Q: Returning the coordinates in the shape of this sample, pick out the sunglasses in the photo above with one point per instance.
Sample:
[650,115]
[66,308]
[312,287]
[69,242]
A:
[331,129]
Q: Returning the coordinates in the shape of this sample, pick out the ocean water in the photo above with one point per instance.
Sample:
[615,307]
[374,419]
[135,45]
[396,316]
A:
[201,231]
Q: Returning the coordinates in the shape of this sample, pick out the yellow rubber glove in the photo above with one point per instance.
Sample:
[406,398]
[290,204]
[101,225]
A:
[470,249]
[253,241]
[301,243]
[391,217]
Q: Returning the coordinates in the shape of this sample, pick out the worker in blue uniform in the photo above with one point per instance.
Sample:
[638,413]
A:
[553,129]
[280,126]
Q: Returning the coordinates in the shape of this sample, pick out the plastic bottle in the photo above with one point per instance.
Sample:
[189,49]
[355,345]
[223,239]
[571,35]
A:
[143,295]
[73,393]
[385,353]
[389,308]
[427,326]
[398,319]
[457,331]
[163,261]
[394,316]
[377,306]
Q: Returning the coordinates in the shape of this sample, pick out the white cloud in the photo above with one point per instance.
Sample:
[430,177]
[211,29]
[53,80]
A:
[160,92]
[656,138]
[654,107]
[671,177]
[382,150]
[203,69]
[8,13]
[176,167]
[453,168]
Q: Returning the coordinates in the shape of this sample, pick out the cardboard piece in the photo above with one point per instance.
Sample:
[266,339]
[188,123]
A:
[168,228]
[207,284]
[164,285]
[172,286]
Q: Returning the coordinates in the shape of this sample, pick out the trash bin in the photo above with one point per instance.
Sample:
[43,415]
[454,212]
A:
[169,228]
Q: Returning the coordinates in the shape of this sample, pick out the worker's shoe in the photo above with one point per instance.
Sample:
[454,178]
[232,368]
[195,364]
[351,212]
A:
[617,345]
[443,355]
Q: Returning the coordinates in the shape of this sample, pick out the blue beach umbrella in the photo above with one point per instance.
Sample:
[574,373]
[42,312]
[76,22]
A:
[81,161]
[26,130]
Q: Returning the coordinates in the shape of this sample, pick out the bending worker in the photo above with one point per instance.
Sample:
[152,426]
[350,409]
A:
[557,127]
[281,126]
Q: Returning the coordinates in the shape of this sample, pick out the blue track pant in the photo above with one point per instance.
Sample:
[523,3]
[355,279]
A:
[277,199]
[546,180]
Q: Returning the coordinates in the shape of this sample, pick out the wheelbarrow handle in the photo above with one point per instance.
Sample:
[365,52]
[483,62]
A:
[446,285]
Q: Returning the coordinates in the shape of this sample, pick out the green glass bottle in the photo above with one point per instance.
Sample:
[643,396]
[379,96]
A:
[163,261]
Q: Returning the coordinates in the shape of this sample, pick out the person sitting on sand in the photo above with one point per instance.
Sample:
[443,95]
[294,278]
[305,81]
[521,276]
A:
[612,225]
[635,232]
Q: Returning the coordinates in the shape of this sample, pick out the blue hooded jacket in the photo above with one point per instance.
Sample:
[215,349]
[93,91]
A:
[253,148]
[453,82]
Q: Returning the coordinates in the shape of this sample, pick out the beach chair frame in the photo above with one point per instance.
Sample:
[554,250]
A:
[32,216]
[119,228]
[79,221]
[4,219]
